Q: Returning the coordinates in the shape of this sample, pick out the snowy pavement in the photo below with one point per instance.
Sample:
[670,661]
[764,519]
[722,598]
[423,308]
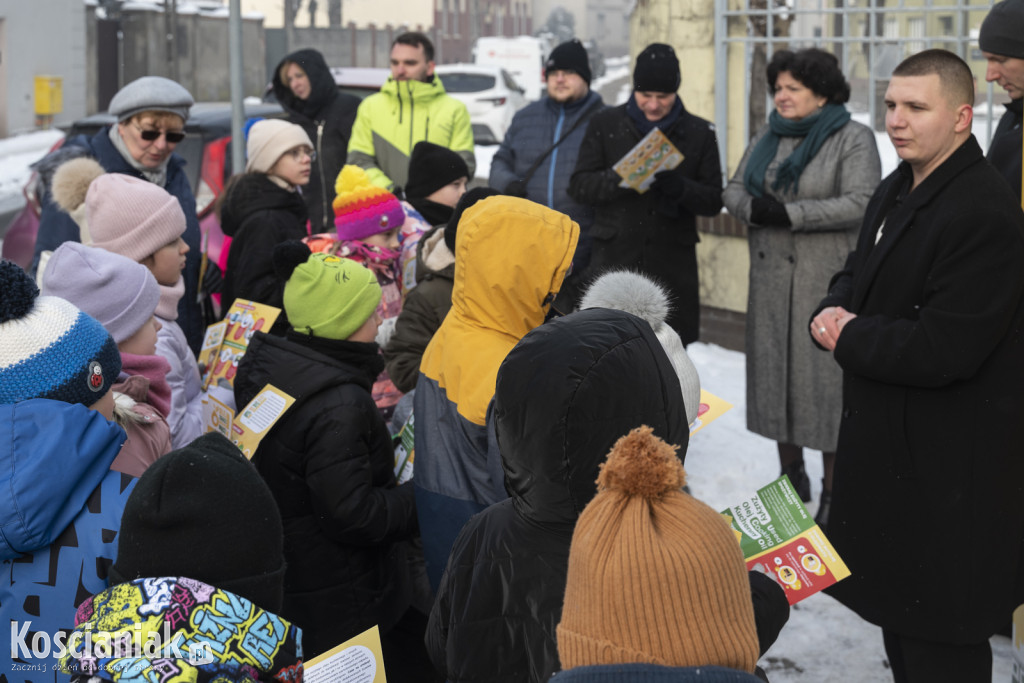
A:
[823,641]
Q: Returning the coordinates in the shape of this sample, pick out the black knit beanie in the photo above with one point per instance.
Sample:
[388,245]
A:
[657,69]
[204,512]
[571,56]
[431,167]
[1002,32]
[467,200]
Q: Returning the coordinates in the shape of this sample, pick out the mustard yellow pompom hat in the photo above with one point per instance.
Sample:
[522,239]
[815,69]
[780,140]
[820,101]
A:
[361,208]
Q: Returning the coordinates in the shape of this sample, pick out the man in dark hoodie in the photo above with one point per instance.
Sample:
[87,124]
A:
[305,88]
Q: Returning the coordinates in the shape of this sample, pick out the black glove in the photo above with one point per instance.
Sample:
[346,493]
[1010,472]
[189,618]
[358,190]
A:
[670,184]
[770,212]
[517,188]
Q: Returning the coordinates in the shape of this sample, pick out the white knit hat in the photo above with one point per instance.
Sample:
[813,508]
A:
[268,140]
[634,293]
[132,217]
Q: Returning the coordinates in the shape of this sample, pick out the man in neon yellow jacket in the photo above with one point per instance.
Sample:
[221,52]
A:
[411,106]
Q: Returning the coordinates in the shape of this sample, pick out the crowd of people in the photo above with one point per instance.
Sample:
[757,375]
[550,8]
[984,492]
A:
[532,336]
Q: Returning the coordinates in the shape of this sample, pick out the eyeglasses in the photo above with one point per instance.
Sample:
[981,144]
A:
[149,135]
[298,152]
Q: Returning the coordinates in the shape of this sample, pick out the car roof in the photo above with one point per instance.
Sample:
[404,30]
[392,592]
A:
[369,77]
[202,116]
[489,69]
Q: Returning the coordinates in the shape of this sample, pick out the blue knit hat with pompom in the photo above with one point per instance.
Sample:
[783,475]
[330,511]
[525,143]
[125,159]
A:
[49,348]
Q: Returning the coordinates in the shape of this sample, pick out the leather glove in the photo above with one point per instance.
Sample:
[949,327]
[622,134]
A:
[517,188]
[770,212]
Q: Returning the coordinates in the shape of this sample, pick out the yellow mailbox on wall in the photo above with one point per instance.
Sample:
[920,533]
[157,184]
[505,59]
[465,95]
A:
[49,95]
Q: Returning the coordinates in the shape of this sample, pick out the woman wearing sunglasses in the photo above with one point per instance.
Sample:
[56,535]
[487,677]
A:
[151,112]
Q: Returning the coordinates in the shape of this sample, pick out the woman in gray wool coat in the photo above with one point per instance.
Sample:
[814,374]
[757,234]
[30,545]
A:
[802,188]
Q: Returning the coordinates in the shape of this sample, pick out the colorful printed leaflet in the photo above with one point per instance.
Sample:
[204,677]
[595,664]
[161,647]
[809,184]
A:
[651,155]
[357,660]
[243,319]
[780,538]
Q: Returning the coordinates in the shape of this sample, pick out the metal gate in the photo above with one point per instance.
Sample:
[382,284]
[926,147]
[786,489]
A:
[870,37]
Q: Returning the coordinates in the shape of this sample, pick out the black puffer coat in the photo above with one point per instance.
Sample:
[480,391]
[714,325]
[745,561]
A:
[257,215]
[564,395]
[329,463]
[327,117]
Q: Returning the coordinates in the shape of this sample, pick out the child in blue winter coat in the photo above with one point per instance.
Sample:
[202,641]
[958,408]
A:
[63,495]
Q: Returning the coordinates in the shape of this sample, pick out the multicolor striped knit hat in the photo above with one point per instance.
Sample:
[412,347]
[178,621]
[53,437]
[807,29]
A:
[361,208]
[49,348]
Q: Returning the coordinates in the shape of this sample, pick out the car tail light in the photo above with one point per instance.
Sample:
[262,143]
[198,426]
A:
[211,177]
[496,101]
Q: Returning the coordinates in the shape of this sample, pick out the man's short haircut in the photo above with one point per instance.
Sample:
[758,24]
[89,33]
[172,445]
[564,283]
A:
[416,39]
[955,77]
[814,69]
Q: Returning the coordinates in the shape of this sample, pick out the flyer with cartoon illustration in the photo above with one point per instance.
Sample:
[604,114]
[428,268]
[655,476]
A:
[254,420]
[405,450]
[654,153]
[357,660]
[220,360]
[710,409]
[780,538]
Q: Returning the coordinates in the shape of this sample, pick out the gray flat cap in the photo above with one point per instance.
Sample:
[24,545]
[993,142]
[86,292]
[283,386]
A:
[151,93]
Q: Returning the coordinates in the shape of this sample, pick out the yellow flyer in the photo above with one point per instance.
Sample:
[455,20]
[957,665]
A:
[212,340]
[357,660]
[254,421]
[711,408]
[243,319]
[217,417]
[405,451]
[780,538]
[654,153]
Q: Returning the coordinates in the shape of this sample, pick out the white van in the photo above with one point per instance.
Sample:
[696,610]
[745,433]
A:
[521,56]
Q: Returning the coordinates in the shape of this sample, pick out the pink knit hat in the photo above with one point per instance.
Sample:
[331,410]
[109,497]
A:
[361,208]
[132,217]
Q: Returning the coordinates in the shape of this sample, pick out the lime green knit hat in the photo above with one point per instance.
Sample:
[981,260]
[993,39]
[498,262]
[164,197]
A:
[330,297]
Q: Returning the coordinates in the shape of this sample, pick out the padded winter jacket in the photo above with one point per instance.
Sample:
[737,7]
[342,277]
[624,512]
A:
[327,117]
[329,463]
[258,214]
[391,122]
[511,257]
[59,517]
[534,129]
[564,395]
[424,310]
[57,227]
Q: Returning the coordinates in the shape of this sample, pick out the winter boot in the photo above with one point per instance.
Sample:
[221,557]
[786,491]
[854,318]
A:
[824,508]
[798,478]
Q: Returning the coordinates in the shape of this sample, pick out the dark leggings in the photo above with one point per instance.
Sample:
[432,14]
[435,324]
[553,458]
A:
[918,661]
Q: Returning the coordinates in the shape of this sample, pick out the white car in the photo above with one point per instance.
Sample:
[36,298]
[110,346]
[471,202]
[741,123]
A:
[490,93]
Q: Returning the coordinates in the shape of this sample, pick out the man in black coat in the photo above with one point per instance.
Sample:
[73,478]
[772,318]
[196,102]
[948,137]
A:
[654,232]
[1002,44]
[304,86]
[927,321]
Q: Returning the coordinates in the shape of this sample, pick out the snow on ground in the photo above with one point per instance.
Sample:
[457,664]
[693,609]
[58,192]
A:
[725,463]
[17,153]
